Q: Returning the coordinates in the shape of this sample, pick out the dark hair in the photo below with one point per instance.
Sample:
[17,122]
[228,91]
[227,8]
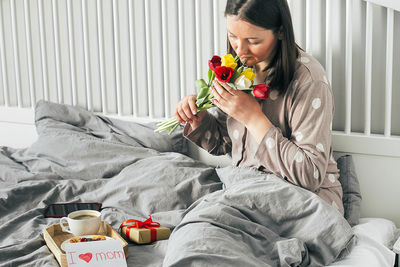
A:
[272,15]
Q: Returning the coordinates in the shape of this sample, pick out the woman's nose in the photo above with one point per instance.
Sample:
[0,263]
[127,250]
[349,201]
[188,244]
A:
[242,49]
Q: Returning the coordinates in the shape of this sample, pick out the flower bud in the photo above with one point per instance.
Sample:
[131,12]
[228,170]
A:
[261,91]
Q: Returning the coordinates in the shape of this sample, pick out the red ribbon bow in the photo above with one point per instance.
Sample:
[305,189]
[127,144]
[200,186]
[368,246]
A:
[149,224]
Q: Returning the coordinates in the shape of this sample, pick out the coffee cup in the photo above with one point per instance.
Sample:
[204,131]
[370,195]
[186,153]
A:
[82,222]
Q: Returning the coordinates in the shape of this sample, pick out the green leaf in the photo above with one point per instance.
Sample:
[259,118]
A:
[209,76]
[207,106]
[200,101]
[234,77]
[209,97]
[212,77]
[200,84]
[203,92]
[232,85]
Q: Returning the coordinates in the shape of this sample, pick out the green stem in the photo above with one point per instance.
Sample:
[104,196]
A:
[172,123]
[161,129]
[203,108]
[167,122]
[167,125]
[173,129]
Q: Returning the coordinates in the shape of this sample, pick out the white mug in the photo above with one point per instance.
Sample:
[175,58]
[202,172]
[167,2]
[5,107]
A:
[82,222]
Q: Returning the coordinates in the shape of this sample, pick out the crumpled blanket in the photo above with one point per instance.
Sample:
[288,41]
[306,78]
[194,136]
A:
[226,216]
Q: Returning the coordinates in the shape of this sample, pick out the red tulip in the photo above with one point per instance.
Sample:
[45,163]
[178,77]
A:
[261,91]
[223,73]
[214,62]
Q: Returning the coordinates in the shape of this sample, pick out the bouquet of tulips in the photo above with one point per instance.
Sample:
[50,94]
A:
[226,70]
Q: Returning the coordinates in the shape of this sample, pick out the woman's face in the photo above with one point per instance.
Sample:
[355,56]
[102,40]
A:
[250,42]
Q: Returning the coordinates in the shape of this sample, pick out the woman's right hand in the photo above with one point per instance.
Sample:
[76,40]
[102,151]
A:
[186,111]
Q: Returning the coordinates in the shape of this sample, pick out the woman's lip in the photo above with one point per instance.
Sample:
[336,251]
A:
[245,58]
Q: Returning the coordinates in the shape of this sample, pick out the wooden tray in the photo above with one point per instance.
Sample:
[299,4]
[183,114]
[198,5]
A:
[54,236]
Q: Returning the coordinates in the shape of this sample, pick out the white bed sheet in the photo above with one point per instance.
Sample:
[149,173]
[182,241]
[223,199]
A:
[374,237]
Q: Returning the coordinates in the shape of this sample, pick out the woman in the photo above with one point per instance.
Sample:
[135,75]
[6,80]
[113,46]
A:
[289,133]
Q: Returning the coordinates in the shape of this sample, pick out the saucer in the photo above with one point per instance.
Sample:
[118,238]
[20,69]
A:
[62,246]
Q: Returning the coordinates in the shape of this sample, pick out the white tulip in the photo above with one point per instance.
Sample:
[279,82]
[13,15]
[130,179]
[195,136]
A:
[242,83]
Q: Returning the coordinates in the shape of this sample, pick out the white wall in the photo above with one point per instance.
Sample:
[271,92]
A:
[17,135]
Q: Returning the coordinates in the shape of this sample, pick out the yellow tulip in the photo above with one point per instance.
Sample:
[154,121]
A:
[228,61]
[249,74]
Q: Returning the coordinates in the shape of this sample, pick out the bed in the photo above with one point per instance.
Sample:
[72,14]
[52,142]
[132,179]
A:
[75,125]
[224,215]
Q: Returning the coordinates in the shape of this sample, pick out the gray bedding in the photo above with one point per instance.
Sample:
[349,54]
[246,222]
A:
[220,216]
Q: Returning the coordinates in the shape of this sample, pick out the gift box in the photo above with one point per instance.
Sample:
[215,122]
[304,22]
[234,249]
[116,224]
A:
[144,232]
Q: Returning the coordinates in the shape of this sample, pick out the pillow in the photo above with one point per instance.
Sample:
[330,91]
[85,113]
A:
[144,134]
[49,115]
[351,189]
[381,230]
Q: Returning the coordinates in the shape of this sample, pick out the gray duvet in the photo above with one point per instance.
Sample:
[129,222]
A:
[220,216]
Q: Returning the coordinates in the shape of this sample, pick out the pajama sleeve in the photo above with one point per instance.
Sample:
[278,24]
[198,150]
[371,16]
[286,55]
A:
[212,134]
[303,157]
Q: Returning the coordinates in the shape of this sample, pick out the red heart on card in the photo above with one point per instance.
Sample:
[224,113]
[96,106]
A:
[86,257]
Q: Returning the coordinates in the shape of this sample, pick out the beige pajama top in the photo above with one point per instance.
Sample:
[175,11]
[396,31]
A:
[298,145]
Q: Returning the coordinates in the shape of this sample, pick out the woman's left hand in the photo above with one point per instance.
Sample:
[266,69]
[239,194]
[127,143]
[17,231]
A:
[236,103]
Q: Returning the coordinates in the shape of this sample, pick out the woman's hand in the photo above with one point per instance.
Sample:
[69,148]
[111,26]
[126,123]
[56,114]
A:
[236,103]
[186,111]
[242,107]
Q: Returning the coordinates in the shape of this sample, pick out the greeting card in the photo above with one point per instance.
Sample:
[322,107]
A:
[97,253]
